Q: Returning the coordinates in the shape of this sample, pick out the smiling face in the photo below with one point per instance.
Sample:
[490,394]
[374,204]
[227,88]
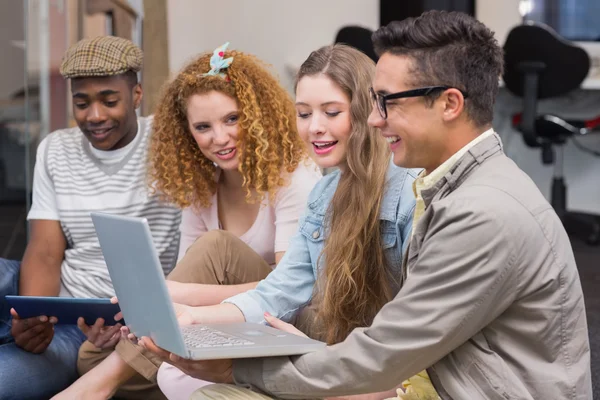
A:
[104,109]
[213,120]
[323,119]
[413,128]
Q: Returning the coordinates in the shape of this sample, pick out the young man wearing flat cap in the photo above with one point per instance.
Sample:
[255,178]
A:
[97,166]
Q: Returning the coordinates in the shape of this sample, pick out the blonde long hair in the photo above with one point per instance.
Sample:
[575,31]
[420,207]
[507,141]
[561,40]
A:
[355,282]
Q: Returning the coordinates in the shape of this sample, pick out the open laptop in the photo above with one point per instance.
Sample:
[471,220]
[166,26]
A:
[139,283]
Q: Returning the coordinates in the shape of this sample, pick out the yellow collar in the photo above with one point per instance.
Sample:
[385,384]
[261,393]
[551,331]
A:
[428,181]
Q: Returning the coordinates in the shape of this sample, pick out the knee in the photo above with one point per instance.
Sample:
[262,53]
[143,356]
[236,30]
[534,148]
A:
[25,375]
[212,242]
[206,259]
[214,238]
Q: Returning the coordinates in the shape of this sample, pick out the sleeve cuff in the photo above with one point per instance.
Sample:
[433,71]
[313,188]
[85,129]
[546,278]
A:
[140,359]
[40,214]
[247,372]
[251,309]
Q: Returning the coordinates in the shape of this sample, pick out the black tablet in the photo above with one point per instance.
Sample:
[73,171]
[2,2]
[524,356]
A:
[66,309]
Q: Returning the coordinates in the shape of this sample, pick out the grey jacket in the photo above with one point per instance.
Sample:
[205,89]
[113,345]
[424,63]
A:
[492,304]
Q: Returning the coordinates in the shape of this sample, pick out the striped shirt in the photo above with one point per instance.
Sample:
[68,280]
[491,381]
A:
[72,179]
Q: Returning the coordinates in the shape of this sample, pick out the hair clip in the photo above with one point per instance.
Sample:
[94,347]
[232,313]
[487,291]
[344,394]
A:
[217,63]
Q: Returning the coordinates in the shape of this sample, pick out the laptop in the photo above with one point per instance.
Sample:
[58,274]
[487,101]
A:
[139,283]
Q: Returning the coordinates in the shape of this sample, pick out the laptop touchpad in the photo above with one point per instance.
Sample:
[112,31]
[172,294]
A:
[256,333]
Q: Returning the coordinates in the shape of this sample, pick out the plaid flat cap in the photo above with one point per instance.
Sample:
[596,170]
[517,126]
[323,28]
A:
[101,56]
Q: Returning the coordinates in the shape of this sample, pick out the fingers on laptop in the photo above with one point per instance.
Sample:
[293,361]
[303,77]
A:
[148,343]
[166,356]
[127,334]
[282,326]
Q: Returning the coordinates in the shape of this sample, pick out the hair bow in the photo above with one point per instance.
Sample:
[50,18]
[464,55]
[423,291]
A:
[217,63]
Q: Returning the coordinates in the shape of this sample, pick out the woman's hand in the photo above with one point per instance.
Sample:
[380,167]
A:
[282,326]
[183,314]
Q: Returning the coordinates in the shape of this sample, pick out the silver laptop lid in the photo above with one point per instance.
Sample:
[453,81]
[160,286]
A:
[138,279]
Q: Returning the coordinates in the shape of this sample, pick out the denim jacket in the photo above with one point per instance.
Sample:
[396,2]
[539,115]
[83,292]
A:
[289,288]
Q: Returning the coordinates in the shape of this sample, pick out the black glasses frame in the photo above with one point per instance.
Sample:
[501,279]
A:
[381,99]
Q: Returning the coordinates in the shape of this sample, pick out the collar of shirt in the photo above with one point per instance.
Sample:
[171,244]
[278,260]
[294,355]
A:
[427,181]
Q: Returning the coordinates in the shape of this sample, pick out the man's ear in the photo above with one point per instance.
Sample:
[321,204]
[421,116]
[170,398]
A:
[454,104]
[138,93]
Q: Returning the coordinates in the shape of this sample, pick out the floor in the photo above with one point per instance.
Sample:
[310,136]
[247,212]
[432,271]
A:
[13,239]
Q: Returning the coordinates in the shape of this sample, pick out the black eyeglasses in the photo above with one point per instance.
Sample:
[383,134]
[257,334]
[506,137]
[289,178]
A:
[381,99]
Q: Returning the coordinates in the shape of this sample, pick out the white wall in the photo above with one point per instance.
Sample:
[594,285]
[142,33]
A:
[499,16]
[280,32]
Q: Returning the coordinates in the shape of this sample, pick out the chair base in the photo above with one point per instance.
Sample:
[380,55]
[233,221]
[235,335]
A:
[583,226]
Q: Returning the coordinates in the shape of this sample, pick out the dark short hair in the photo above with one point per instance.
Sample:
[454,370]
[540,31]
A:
[131,78]
[451,49]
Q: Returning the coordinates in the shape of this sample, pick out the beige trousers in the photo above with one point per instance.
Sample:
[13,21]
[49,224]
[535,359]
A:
[219,258]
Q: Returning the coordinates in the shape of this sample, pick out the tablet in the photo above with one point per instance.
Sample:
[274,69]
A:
[66,309]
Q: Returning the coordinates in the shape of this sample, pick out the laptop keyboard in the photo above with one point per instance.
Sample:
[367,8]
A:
[201,336]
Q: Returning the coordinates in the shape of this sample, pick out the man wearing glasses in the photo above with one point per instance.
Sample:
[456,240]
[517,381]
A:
[491,305]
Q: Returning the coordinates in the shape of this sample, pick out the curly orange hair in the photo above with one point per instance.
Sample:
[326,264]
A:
[268,139]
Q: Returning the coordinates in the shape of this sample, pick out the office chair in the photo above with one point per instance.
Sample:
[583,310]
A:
[359,38]
[540,65]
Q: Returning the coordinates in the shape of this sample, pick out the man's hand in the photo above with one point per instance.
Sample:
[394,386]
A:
[217,371]
[32,334]
[101,336]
